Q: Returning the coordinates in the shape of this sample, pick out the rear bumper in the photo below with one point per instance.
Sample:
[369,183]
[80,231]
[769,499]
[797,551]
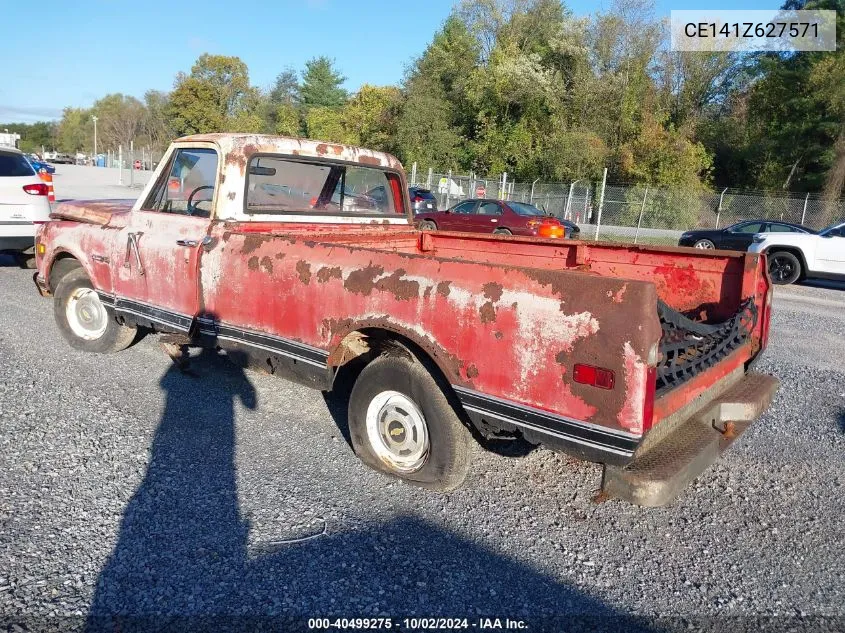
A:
[660,470]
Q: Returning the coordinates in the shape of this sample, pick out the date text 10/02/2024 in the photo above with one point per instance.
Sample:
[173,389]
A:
[414,624]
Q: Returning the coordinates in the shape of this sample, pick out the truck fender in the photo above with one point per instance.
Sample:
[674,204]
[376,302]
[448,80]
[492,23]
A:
[62,262]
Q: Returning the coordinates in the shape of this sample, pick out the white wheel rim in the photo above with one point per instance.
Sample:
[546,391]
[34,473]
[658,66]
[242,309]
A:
[86,315]
[705,245]
[397,431]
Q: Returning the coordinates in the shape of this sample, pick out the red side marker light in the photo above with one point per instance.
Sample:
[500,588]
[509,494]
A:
[594,376]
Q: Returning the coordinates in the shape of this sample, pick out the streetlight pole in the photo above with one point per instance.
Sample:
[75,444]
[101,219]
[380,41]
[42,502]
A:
[94,119]
[569,200]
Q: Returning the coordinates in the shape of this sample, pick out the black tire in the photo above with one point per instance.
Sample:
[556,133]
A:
[114,336]
[428,225]
[502,232]
[784,268]
[447,459]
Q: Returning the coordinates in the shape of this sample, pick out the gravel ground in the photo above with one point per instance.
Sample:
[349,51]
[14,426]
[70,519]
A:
[130,489]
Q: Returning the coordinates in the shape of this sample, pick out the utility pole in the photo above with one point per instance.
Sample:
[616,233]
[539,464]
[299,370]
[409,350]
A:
[601,203]
[94,119]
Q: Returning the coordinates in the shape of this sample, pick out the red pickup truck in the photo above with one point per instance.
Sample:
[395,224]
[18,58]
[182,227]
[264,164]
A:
[300,256]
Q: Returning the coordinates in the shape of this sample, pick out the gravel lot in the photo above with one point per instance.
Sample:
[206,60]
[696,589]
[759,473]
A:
[129,489]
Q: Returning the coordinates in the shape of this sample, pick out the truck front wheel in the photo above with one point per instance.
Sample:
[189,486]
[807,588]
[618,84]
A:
[85,323]
[401,423]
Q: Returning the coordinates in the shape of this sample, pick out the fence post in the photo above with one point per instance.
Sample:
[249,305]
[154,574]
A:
[132,163]
[414,173]
[503,185]
[640,220]
[601,203]
[449,189]
[120,164]
[428,180]
[804,212]
[531,199]
[719,210]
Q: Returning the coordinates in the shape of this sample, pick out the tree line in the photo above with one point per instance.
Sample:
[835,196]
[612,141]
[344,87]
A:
[526,87]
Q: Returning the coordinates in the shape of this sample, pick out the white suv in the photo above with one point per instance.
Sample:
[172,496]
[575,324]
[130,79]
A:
[793,256]
[24,204]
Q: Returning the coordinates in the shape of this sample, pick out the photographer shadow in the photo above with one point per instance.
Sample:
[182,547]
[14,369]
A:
[182,560]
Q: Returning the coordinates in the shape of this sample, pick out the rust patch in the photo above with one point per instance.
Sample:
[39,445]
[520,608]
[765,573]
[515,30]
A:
[368,160]
[253,241]
[267,264]
[326,273]
[488,312]
[280,255]
[427,293]
[499,336]
[561,357]
[303,271]
[231,195]
[492,291]
[363,281]
[472,372]
[324,149]
[402,289]
[443,288]
[252,264]
[551,278]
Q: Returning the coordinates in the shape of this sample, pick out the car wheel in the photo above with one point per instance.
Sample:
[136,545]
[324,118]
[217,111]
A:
[85,323]
[705,244]
[428,225]
[502,232]
[784,267]
[402,424]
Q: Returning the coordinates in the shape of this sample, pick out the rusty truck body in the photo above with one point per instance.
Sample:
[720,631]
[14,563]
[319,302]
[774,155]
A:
[300,257]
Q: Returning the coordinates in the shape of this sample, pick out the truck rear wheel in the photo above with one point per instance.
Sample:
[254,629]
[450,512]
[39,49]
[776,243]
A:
[85,323]
[402,424]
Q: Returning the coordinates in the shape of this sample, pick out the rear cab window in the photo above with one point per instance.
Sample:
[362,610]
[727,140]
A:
[14,165]
[278,185]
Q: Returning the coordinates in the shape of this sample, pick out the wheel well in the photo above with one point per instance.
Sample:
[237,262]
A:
[62,265]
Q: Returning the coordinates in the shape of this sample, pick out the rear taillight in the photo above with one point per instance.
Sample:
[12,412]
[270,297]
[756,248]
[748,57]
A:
[418,199]
[39,189]
[551,230]
[594,376]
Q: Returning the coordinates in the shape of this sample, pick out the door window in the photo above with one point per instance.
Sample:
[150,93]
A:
[489,208]
[751,227]
[187,186]
[465,208]
[782,228]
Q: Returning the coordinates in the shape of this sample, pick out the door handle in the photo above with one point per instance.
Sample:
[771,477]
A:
[190,243]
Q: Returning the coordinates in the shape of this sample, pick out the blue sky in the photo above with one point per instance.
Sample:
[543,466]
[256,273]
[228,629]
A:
[71,53]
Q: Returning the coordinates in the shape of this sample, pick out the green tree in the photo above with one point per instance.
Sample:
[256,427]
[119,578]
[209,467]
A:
[75,131]
[326,124]
[120,120]
[156,125]
[369,117]
[321,84]
[216,96]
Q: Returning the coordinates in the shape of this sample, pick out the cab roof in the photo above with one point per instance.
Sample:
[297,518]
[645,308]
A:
[237,148]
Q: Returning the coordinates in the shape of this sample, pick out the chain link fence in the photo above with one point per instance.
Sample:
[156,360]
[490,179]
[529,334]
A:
[637,213]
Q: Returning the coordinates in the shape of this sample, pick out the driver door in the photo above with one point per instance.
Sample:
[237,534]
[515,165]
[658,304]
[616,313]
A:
[157,275]
[830,252]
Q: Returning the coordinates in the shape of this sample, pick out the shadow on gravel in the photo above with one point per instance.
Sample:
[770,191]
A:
[830,284]
[182,560]
[842,421]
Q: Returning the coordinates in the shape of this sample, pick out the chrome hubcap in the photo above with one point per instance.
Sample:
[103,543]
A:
[86,315]
[397,431]
[705,245]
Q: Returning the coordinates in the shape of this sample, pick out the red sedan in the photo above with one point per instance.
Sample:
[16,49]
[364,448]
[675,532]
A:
[494,216]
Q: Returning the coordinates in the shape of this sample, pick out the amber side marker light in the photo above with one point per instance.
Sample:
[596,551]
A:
[40,249]
[594,376]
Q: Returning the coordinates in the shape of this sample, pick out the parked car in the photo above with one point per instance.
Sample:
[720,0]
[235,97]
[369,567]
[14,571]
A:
[24,206]
[794,256]
[738,237]
[39,165]
[62,159]
[482,215]
[584,350]
[422,200]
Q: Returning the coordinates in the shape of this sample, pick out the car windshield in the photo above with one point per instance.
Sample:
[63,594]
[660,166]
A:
[833,228]
[525,209]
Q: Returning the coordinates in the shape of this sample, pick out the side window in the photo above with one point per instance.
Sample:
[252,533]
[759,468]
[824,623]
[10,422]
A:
[465,208]
[187,186]
[277,184]
[752,227]
[489,208]
[782,228]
